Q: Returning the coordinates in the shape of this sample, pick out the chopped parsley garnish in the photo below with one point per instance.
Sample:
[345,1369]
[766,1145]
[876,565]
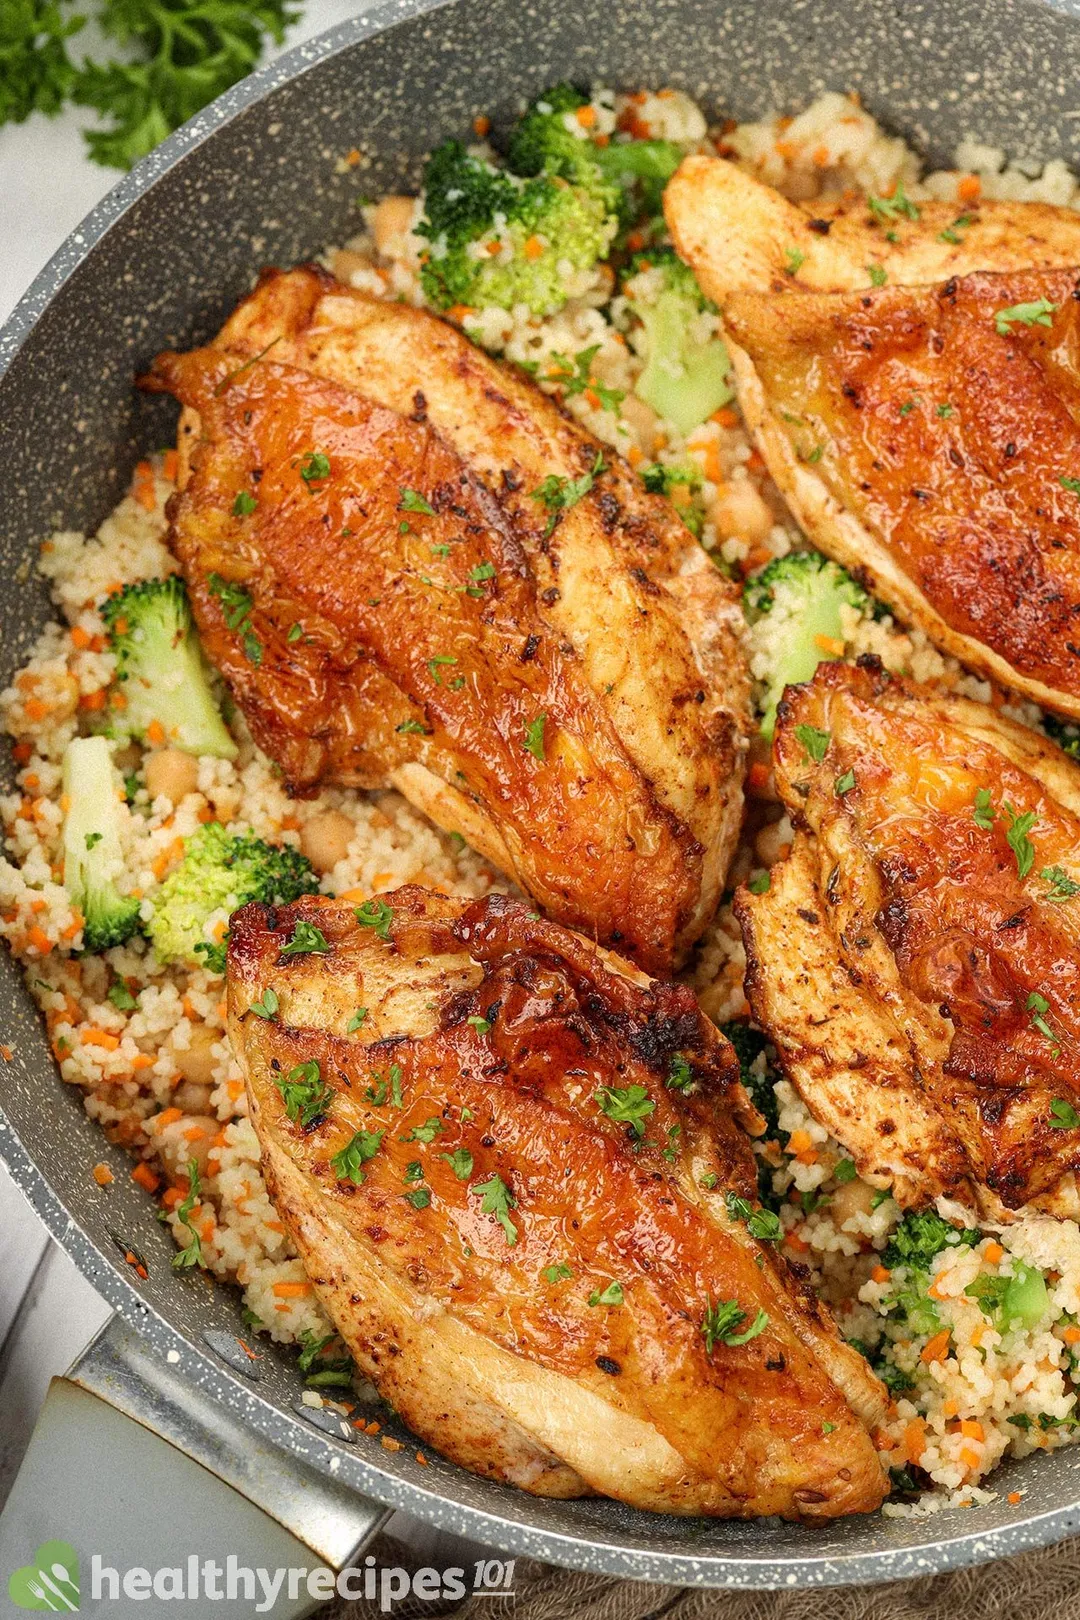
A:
[895,206]
[314,468]
[295,632]
[877,274]
[1018,840]
[533,742]
[611,1295]
[191,1253]
[559,494]
[306,1098]
[760,883]
[814,741]
[348,1164]
[266,1007]
[482,1026]
[93,839]
[236,606]
[120,996]
[419,1198]
[460,1162]
[909,405]
[845,1171]
[410,501]
[376,914]
[415,728]
[497,1199]
[1037,314]
[949,234]
[356,1020]
[244,504]
[795,260]
[680,1075]
[944,411]
[762,1224]
[845,783]
[1071,484]
[722,1321]
[983,813]
[1061,884]
[436,663]
[557,1273]
[414,1171]
[627,1105]
[1063,1116]
[575,377]
[814,455]
[1038,1007]
[306,940]
[427,1132]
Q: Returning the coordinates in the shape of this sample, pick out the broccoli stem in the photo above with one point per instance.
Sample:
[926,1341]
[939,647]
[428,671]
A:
[93,856]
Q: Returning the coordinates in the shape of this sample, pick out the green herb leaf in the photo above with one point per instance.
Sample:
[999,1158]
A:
[1061,884]
[680,1075]
[410,501]
[347,1165]
[1018,840]
[795,260]
[191,1253]
[722,1321]
[759,883]
[376,914]
[983,814]
[845,783]
[628,1105]
[877,274]
[814,741]
[434,665]
[576,377]
[306,1098]
[1063,1116]
[893,207]
[497,1199]
[559,494]
[556,1273]
[244,504]
[121,997]
[1071,484]
[1038,1007]
[845,1171]
[356,1020]
[534,738]
[267,1007]
[413,728]
[427,1132]
[314,468]
[306,940]
[611,1295]
[460,1162]
[1037,314]
[482,1026]
[944,411]
[419,1198]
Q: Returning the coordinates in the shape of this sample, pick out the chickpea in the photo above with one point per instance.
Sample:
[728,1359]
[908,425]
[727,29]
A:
[740,513]
[641,419]
[325,839]
[196,1062]
[769,845]
[192,1096]
[170,774]
[391,221]
[189,1138]
[850,1198]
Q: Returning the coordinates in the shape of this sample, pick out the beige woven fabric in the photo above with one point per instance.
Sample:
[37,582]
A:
[1041,1585]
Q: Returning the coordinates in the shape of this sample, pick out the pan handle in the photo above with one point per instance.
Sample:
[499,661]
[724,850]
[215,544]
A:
[136,1473]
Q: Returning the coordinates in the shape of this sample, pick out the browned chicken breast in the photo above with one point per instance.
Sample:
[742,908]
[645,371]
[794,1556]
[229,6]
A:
[927,437]
[520,1188]
[414,571]
[915,959]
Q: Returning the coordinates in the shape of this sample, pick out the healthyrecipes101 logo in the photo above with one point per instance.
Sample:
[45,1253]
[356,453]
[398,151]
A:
[50,1581]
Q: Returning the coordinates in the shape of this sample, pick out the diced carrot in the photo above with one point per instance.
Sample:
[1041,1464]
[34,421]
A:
[155,733]
[592,398]
[170,465]
[353,894]
[822,157]
[915,1439]
[970,1456]
[1014,1497]
[39,939]
[758,776]
[786,150]
[993,1253]
[6,1053]
[102,1175]
[38,906]
[534,248]
[481,125]
[422,1460]
[725,416]
[586,116]
[460,312]
[883,1440]
[194,1133]
[168,1116]
[92,1036]
[21,752]
[142,1060]
[146,1178]
[880,1274]
[390,1444]
[275,1226]
[290,823]
[93,701]
[1071,1335]
[971,1429]
[970,188]
[796,1242]
[119,699]
[831,645]
[235,1088]
[634,456]
[80,638]
[73,926]
[171,1197]
[937,1348]
[206,814]
[950,1407]
[292,1290]
[35,708]
[977,1335]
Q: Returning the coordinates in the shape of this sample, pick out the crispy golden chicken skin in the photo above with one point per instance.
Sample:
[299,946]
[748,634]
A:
[517,1219]
[562,685]
[927,436]
[916,958]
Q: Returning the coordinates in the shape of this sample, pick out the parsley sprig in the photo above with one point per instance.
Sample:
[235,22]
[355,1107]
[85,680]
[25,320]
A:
[191,1253]
[559,494]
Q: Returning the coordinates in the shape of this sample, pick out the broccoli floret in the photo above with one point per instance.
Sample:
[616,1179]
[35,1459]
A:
[498,239]
[685,375]
[160,668]
[749,1044]
[627,176]
[792,603]
[921,1235]
[220,872]
[93,858]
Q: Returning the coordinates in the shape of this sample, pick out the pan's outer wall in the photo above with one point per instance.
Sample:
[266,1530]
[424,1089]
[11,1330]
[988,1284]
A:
[253,181]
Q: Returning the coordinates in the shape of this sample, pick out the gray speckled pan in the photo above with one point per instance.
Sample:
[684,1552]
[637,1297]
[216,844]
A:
[252,181]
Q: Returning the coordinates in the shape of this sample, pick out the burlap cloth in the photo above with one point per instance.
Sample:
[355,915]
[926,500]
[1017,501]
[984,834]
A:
[1041,1585]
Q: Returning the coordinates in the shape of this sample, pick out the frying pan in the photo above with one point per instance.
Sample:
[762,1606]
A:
[256,180]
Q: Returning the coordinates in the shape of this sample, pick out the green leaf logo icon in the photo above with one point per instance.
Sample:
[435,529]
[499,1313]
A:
[50,1583]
